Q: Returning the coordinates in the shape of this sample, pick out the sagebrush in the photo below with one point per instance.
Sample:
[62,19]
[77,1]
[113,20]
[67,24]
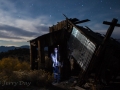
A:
[13,70]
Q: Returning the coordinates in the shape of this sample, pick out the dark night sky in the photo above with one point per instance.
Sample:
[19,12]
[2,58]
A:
[23,20]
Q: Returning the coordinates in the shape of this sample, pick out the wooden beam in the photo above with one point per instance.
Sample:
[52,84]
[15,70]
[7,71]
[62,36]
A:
[110,23]
[82,21]
[39,54]
[101,48]
[31,57]
[110,29]
[78,22]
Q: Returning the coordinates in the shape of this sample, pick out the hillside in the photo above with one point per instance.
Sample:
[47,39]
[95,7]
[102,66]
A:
[6,48]
[22,54]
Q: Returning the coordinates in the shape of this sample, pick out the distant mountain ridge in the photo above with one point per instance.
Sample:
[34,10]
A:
[7,48]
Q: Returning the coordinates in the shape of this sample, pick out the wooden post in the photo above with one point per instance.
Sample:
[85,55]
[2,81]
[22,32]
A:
[42,54]
[110,30]
[101,48]
[108,34]
[31,56]
[39,55]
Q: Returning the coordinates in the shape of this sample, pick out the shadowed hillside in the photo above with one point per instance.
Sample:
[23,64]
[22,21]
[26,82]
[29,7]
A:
[21,53]
[7,48]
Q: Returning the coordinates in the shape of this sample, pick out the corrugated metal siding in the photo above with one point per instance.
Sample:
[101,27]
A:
[82,48]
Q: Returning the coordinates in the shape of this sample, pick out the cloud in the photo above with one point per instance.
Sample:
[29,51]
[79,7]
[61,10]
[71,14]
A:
[7,5]
[115,33]
[102,29]
[17,29]
[22,28]
[19,22]
[117,11]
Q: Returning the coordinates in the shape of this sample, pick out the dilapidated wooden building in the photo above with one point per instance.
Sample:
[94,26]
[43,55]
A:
[95,54]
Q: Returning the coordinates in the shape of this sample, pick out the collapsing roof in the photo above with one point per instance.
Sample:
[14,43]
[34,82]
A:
[93,52]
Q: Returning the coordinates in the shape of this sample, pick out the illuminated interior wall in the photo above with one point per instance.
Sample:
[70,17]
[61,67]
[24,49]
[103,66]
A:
[82,48]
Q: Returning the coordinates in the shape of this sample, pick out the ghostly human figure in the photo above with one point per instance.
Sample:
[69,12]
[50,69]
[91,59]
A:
[56,65]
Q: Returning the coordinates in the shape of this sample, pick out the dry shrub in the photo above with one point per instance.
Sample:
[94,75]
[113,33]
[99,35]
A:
[36,77]
[11,69]
[8,65]
[13,64]
[47,62]
[3,77]
[23,66]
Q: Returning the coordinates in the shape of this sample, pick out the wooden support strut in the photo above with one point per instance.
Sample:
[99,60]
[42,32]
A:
[111,28]
[31,57]
[73,24]
[82,21]
[108,34]
[101,49]
[39,54]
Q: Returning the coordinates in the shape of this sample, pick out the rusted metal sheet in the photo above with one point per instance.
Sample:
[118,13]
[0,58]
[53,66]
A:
[82,48]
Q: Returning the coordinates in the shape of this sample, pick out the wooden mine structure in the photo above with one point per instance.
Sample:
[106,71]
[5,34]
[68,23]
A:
[94,53]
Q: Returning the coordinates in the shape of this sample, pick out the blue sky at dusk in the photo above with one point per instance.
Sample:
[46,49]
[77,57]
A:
[23,20]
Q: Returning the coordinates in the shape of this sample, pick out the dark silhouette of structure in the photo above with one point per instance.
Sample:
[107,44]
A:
[94,53]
